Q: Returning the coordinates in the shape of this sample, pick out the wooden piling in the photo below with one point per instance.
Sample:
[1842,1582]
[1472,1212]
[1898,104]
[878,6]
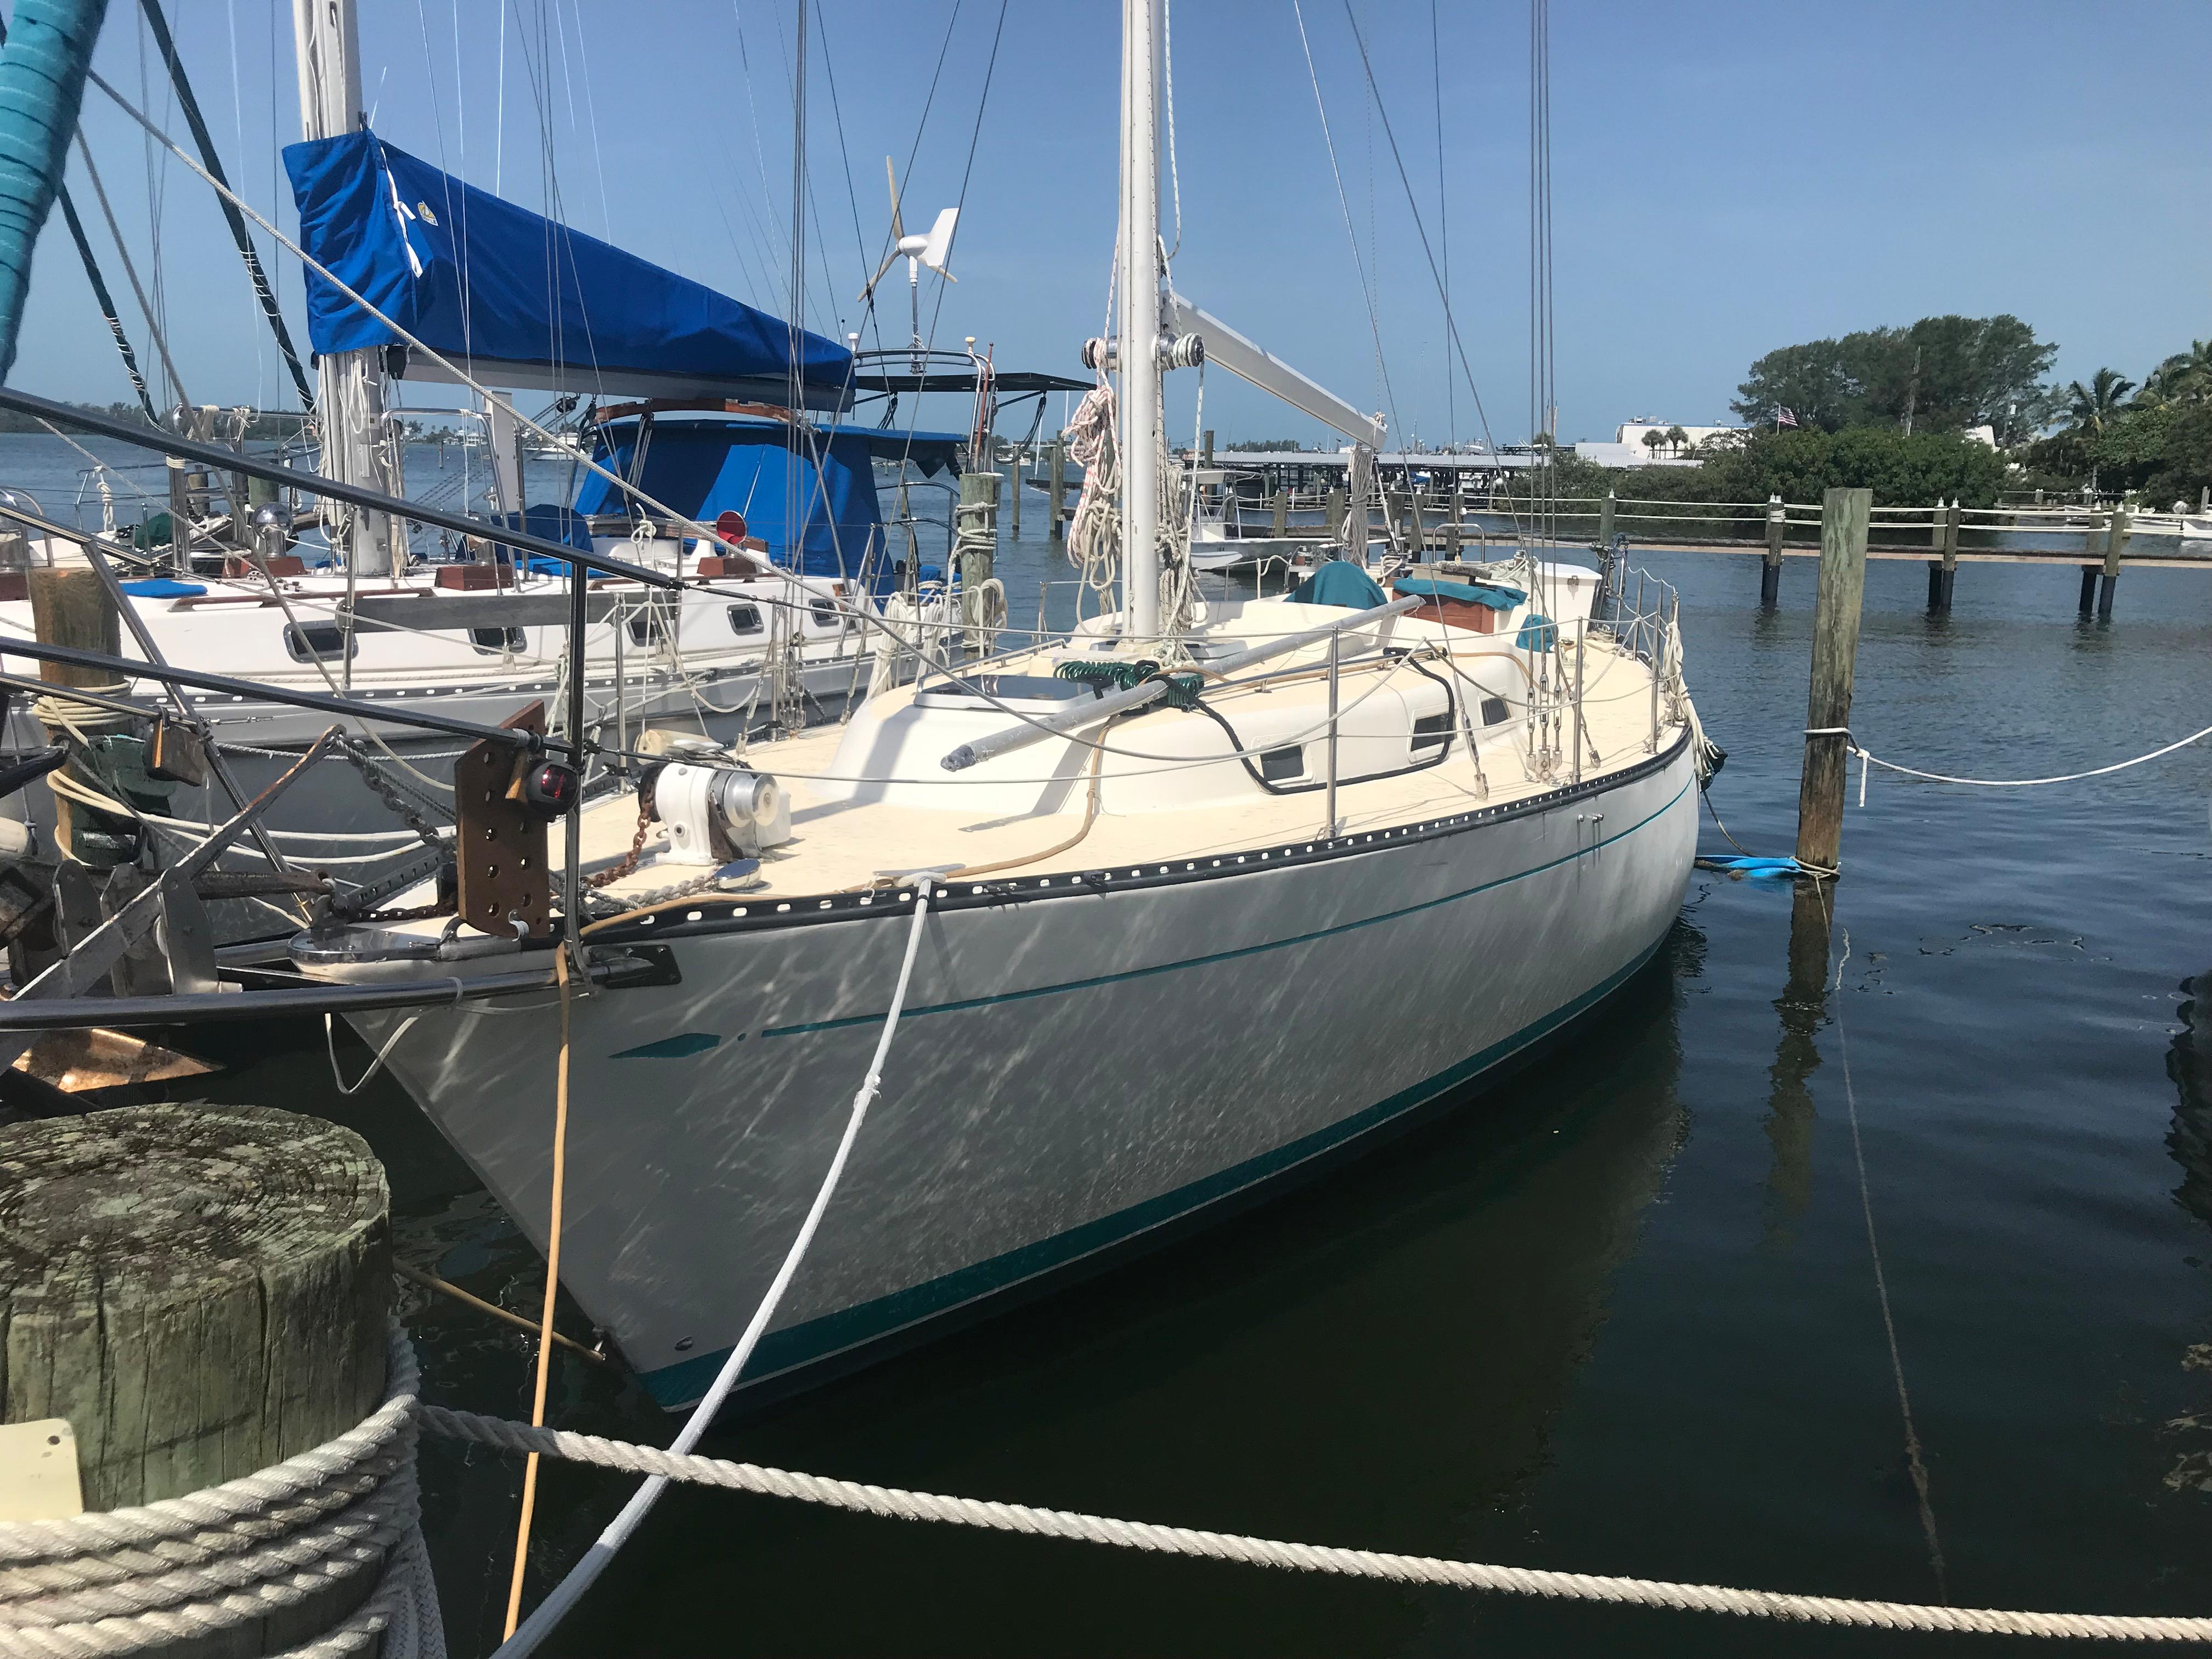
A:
[1282,505]
[1770,572]
[2116,541]
[1208,447]
[201,1291]
[1943,570]
[1453,528]
[1057,489]
[1844,517]
[1014,503]
[71,605]
[1607,512]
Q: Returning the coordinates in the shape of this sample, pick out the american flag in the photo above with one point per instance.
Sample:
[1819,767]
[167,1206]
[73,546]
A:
[1784,417]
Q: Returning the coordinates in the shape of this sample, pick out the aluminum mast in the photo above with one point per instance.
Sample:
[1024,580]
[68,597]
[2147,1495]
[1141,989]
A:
[1139,436]
[354,446]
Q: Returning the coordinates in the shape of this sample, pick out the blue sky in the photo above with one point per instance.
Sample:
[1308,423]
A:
[1727,178]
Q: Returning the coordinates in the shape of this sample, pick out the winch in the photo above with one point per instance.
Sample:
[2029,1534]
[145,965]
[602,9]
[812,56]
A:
[717,814]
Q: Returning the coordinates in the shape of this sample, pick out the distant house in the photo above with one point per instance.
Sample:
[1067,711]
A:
[1628,448]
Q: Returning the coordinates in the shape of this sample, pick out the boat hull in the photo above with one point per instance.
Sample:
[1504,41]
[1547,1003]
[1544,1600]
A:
[1083,1068]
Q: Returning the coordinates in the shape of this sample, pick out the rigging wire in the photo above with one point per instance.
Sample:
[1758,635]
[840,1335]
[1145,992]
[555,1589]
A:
[836,111]
[1366,290]
[1443,219]
[1420,227]
[975,136]
[146,306]
[189,107]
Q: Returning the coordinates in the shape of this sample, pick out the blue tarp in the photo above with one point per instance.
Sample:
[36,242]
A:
[520,300]
[703,468]
[163,587]
[1339,583]
[548,521]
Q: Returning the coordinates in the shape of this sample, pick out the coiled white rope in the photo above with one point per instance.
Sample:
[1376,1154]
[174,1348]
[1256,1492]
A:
[185,1569]
[897,1503]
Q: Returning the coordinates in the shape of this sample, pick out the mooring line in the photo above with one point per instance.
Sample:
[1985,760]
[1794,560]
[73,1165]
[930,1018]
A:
[897,1503]
[1913,1459]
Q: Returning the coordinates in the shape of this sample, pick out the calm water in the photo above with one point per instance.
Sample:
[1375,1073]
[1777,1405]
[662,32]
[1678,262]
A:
[1618,1315]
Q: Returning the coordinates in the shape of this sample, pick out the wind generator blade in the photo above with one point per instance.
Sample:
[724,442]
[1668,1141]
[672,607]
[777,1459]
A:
[1232,351]
[899,230]
[938,248]
[890,259]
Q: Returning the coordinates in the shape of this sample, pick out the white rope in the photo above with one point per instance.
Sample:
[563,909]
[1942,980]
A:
[1915,1462]
[376,1065]
[191,1568]
[549,1612]
[1868,756]
[896,1504]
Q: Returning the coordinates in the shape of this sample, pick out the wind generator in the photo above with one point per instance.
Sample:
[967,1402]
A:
[932,250]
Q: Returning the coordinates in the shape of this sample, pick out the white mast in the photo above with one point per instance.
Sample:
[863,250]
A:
[1139,437]
[352,382]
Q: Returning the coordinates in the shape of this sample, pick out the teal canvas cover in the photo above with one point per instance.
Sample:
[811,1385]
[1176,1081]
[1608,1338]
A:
[1498,599]
[1338,583]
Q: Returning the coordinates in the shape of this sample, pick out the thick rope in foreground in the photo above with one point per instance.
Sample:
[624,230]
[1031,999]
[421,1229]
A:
[896,1505]
[187,1568]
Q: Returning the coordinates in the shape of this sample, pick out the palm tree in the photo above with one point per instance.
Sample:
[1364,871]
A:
[2183,377]
[2091,406]
[1655,440]
[1677,440]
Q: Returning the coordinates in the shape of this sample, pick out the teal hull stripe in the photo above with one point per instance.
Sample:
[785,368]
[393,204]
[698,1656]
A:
[966,1003]
[679,1385]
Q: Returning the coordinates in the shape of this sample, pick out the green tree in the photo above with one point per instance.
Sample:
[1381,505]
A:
[1952,371]
[1677,440]
[1655,440]
[2090,408]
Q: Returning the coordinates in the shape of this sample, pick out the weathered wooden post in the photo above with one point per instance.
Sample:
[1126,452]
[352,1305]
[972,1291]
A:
[1208,446]
[71,605]
[2116,541]
[975,552]
[1608,510]
[1334,513]
[1943,570]
[1057,489]
[1014,501]
[1770,570]
[202,1292]
[1844,516]
[1282,505]
[1452,529]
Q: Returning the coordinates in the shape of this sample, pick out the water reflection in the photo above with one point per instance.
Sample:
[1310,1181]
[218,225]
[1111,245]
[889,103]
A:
[2189,1063]
[1379,1359]
[1802,1008]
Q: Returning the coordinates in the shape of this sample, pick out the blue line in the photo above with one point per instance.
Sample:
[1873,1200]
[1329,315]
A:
[1220,956]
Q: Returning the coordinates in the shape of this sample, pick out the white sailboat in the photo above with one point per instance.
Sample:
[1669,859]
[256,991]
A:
[1216,892]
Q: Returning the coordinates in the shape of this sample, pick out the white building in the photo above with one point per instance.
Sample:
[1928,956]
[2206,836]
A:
[1628,448]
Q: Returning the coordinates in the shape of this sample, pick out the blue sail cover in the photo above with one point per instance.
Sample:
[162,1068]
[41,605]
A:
[704,467]
[521,300]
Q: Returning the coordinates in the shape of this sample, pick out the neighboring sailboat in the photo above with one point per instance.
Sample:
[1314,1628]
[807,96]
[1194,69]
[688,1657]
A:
[1218,890]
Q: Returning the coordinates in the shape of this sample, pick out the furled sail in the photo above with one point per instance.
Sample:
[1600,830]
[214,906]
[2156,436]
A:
[520,301]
